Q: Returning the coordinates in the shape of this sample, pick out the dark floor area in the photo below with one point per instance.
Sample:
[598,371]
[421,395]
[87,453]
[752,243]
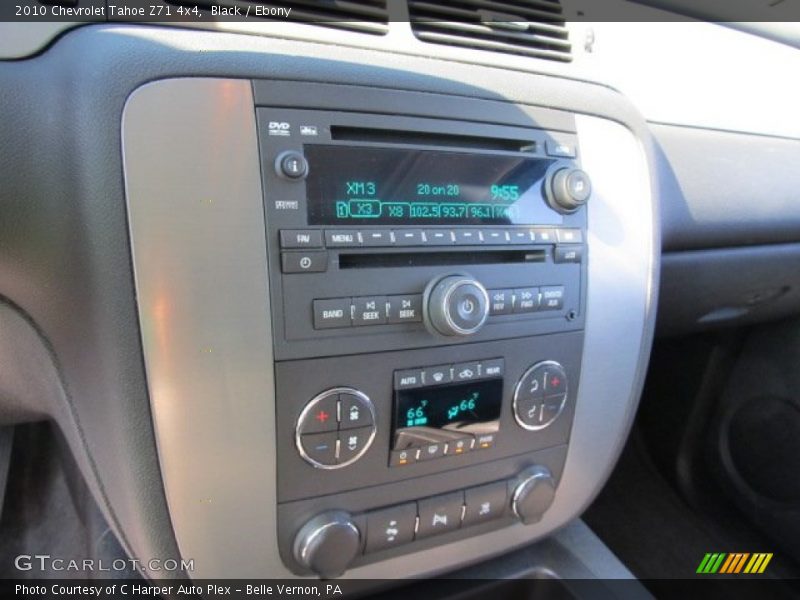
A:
[666,504]
[657,535]
[48,510]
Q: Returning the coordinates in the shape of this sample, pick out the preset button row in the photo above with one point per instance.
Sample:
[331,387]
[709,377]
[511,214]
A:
[295,239]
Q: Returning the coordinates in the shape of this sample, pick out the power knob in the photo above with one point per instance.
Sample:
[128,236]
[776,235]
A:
[533,494]
[327,544]
[567,189]
[456,305]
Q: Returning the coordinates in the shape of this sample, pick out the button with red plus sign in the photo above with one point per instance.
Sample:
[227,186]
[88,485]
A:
[555,380]
[321,416]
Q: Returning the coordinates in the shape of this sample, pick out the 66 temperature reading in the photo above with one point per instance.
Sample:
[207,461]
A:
[463,406]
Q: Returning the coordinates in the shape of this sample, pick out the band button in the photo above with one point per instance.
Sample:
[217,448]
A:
[333,313]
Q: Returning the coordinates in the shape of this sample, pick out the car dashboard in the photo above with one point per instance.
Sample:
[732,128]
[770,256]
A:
[314,302]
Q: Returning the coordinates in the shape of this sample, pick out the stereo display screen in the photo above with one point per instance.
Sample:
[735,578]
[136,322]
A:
[358,186]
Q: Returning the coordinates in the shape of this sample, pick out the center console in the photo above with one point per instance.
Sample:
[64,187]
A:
[428,283]
[386,332]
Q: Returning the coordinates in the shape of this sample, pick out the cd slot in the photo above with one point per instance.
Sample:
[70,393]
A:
[425,138]
[435,259]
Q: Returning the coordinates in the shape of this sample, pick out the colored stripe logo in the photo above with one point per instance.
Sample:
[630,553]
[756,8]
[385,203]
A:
[734,563]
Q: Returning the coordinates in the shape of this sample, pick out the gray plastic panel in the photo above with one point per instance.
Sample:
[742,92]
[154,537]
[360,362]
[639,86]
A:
[219,446]
[728,189]
[730,287]
[197,235]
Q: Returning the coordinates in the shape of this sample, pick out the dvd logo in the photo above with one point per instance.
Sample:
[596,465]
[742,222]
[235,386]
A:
[279,128]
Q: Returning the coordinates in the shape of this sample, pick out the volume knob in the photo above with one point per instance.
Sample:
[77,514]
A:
[568,189]
[327,544]
[456,305]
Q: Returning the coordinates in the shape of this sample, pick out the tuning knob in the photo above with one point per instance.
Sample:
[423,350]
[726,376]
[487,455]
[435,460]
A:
[456,305]
[568,189]
[533,494]
[327,544]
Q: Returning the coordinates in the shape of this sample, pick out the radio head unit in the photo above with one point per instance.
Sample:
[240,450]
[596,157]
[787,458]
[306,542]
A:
[409,236]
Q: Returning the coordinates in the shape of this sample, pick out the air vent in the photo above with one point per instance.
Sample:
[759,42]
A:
[366,16]
[528,27]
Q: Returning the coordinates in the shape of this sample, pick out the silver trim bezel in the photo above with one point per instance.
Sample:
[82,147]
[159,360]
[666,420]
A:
[517,387]
[316,400]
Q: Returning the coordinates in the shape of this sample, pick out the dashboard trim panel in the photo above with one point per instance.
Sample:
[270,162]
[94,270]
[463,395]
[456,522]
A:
[213,411]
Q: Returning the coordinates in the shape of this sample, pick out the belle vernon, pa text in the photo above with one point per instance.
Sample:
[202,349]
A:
[137,589]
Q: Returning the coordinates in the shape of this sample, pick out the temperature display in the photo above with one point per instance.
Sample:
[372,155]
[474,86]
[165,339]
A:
[429,414]
[390,186]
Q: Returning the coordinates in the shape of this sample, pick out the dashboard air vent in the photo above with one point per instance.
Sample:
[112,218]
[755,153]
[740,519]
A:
[366,16]
[528,27]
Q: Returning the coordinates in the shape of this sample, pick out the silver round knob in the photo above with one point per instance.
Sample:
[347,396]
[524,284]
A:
[533,494]
[568,189]
[456,305]
[327,544]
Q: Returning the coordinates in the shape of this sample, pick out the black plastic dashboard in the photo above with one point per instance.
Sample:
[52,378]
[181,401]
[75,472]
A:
[103,292]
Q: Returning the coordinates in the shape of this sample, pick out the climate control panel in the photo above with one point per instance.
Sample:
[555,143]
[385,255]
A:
[335,428]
